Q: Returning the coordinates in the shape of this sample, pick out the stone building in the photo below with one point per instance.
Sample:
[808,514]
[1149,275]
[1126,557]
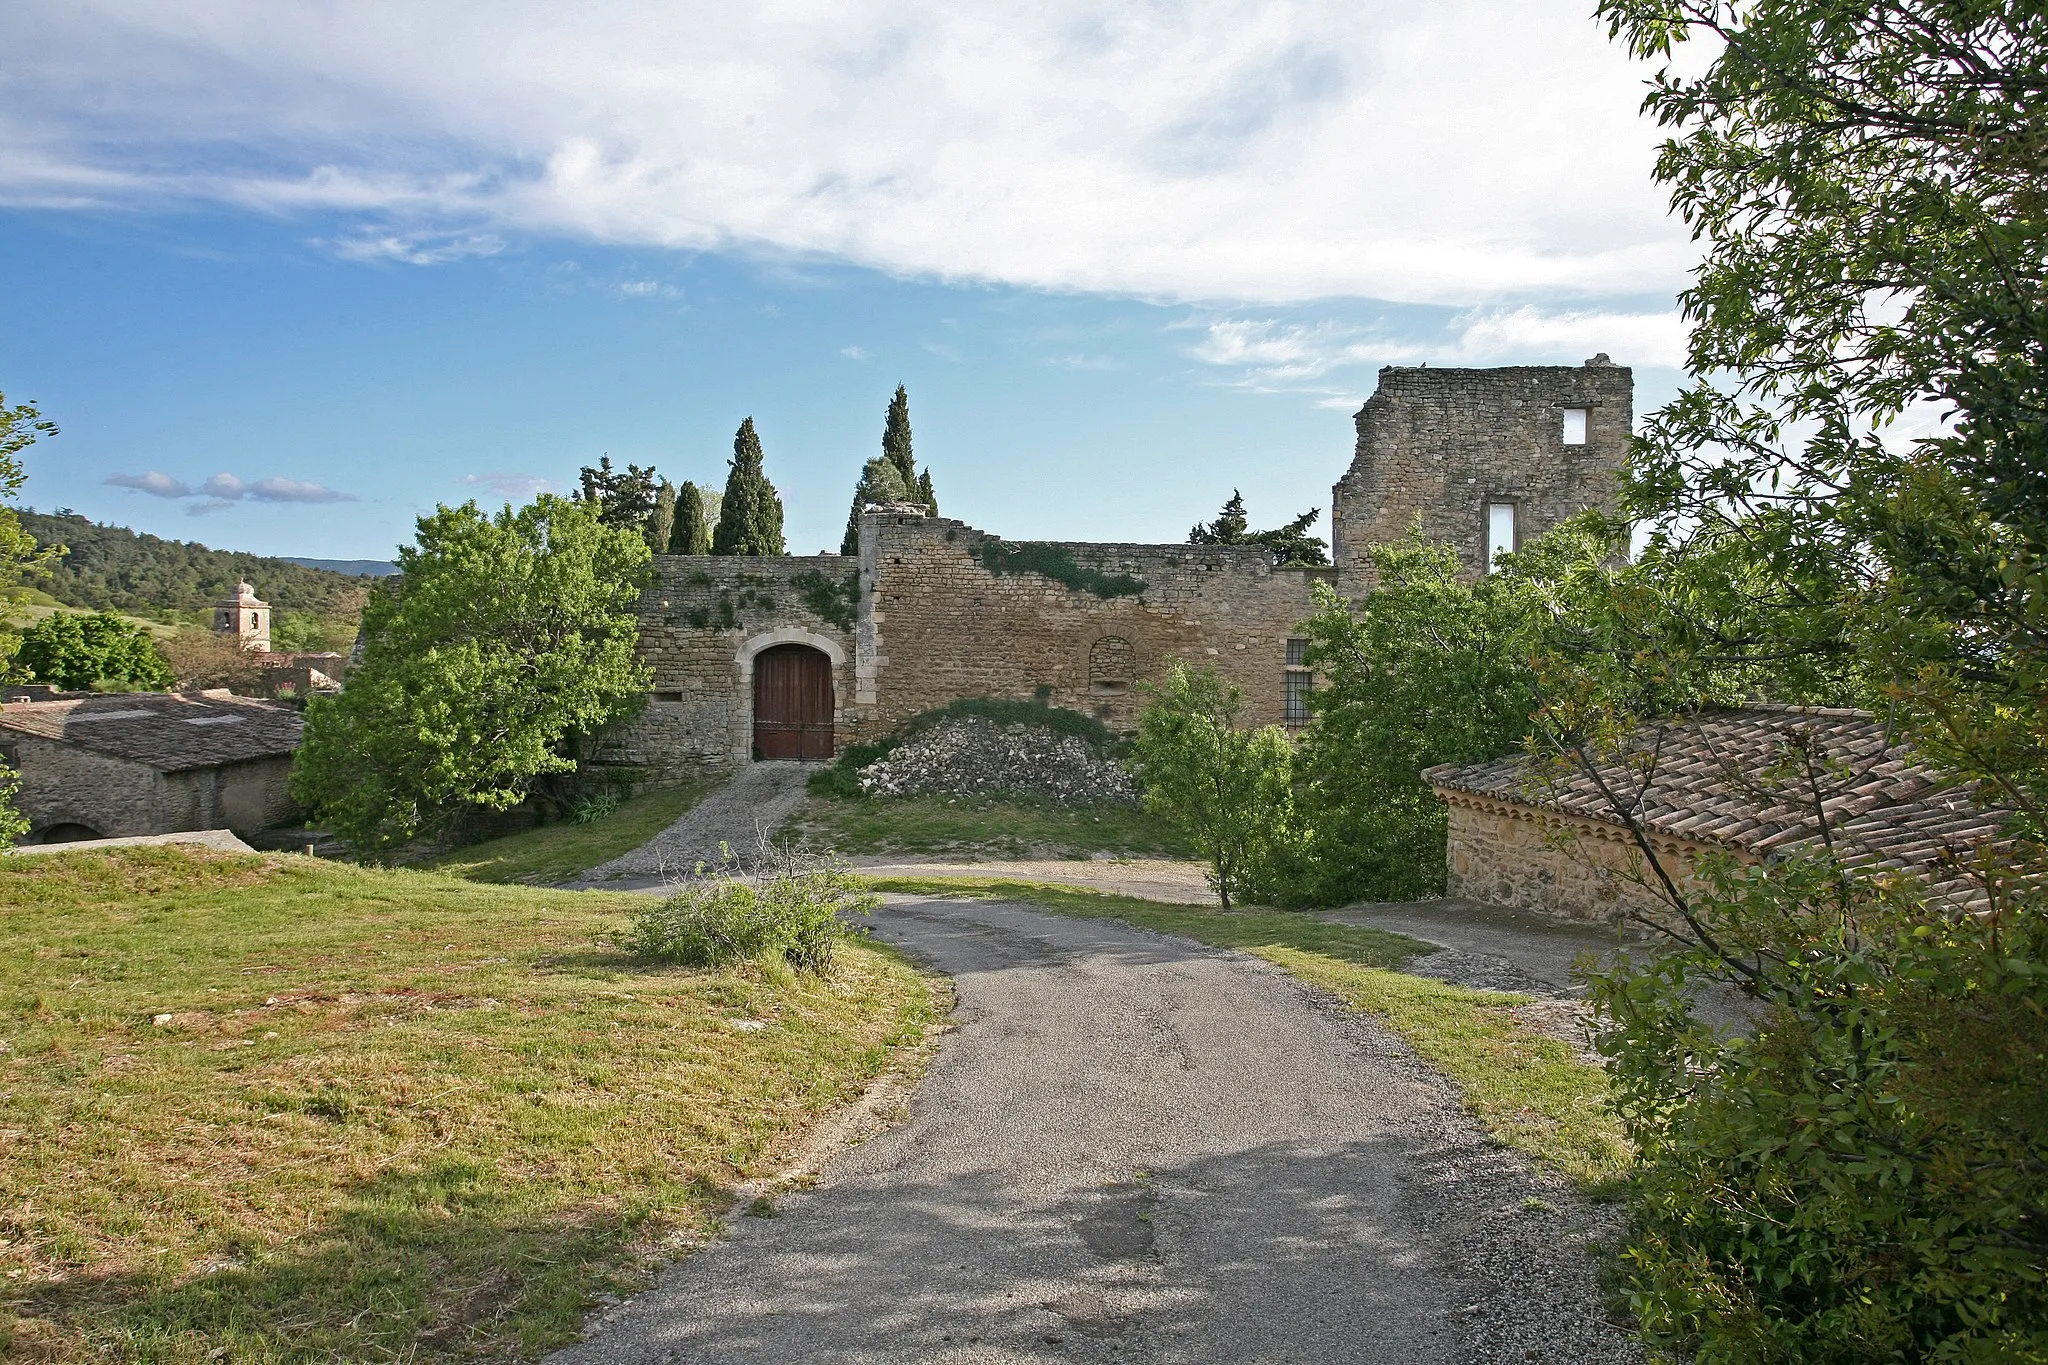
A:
[149,763]
[796,657]
[1537,838]
[1487,460]
[244,616]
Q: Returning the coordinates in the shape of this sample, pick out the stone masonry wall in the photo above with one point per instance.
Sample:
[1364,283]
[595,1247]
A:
[62,784]
[1499,854]
[939,623]
[1442,444]
[702,618]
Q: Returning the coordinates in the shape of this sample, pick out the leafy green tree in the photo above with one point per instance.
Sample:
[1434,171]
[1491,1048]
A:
[1431,668]
[1289,544]
[661,522]
[1225,787]
[505,647]
[625,498]
[691,534]
[1862,1176]
[879,483]
[750,517]
[75,651]
[21,426]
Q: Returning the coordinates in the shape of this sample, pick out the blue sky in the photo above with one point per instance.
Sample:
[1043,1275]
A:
[288,279]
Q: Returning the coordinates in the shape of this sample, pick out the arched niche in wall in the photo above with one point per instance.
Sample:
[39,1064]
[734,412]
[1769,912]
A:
[1112,666]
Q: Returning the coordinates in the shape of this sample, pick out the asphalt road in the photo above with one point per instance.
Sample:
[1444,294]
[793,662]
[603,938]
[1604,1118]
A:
[1135,1148]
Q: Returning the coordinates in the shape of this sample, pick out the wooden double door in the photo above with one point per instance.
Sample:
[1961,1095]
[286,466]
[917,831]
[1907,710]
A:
[792,703]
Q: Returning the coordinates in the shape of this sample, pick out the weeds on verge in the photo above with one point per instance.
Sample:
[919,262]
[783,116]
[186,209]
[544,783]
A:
[791,908]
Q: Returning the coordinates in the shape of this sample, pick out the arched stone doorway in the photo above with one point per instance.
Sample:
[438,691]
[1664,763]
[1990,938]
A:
[793,703]
[68,833]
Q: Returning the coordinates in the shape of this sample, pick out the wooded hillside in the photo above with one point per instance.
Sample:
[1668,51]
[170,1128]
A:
[114,567]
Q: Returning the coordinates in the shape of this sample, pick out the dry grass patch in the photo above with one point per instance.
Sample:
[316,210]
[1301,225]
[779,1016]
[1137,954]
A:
[275,1109]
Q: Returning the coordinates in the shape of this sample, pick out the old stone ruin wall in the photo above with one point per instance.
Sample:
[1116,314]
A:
[933,611]
[949,611]
[703,618]
[1442,445]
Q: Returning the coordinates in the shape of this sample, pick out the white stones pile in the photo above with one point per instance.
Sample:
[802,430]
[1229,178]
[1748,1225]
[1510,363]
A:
[969,756]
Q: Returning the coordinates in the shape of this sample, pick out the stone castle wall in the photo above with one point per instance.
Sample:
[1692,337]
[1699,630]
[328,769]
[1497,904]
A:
[702,620]
[949,612]
[1440,445]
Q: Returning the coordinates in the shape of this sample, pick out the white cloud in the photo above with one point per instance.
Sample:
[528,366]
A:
[1465,152]
[294,490]
[513,487]
[154,482]
[853,352]
[1271,354]
[418,248]
[225,490]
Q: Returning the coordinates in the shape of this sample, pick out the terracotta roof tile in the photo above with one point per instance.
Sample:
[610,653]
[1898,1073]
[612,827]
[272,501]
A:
[1737,778]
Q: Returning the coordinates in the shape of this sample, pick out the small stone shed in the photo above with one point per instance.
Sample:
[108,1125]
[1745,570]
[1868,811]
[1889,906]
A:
[1545,838]
[149,763]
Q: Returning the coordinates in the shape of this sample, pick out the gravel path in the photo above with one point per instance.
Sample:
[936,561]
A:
[1135,1148]
[738,815]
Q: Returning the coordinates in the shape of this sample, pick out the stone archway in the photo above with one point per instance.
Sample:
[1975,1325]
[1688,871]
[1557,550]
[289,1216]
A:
[802,671]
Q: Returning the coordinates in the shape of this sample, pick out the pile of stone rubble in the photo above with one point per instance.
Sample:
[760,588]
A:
[970,756]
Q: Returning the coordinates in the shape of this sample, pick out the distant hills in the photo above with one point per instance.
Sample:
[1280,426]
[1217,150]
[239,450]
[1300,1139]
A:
[114,567]
[355,568]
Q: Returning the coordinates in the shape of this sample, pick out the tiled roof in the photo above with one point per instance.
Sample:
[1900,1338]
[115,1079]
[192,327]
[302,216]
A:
[169,732]
[1738,778]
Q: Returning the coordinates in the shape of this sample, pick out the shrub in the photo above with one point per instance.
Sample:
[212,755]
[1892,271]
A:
[794,912]
[76,651]
[1226,788]
[1865,1176]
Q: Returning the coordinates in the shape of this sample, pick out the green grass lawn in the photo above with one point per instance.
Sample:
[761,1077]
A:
[1530,1091]
[560,853]
[985,827]
[273,1109]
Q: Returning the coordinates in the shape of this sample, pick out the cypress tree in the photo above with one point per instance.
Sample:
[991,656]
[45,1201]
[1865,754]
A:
[750,519]
[925,494]
[879,482]
[896,438]
[661,522]
[690,536]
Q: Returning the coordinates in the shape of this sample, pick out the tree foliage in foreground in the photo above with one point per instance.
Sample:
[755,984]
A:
[1865,1176]
[507,644]
[1226,787]
[750,515]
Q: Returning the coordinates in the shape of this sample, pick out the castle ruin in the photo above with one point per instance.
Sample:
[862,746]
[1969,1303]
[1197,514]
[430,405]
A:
[798,657]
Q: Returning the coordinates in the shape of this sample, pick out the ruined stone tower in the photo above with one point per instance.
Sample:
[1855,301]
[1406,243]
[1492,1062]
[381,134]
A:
[245,618]
[1488,459]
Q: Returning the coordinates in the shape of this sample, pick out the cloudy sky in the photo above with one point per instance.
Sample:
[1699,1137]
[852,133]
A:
[288,274]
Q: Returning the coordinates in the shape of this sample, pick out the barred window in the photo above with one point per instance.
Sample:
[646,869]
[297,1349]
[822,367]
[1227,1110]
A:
[1297,653]
[1300,683]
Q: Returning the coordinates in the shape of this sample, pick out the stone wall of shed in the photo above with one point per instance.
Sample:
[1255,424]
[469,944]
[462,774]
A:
[939,623]
[700,618]
[1509,854]
[62,784]
[1440,445]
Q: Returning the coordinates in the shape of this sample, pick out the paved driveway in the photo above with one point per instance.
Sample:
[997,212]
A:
[1135,1148]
